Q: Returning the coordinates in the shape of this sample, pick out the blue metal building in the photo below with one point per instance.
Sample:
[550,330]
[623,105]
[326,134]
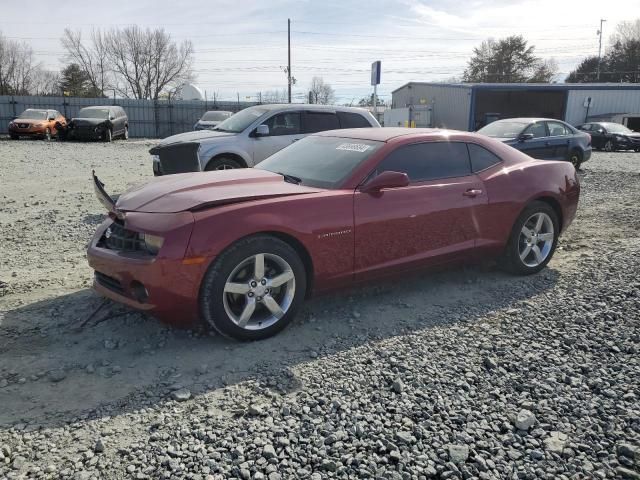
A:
[469,106]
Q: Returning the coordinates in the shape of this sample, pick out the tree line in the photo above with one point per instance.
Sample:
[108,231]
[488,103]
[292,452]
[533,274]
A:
[133,62]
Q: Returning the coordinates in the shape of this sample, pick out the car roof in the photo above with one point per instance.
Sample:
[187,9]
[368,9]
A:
[389,133]
[307,106]
[95,107]
[529,120]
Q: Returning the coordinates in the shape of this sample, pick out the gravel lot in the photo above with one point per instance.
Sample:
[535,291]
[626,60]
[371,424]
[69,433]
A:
[468,373]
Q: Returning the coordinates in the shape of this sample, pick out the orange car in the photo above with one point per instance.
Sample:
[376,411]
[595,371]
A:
[36,123]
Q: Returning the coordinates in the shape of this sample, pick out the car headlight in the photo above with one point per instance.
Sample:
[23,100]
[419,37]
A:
[153,243]
[11,124]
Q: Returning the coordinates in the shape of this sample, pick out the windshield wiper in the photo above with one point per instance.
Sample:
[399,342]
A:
[290,178]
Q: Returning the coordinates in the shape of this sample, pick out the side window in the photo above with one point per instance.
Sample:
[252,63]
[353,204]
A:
[320,121]
[586,127]
[352,120]
[538,129]
[429,161]
[122,112]
[481,158]
[287,123]
[556,129]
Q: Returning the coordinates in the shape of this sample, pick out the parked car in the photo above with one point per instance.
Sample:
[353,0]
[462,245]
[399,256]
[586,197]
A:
[542,138]
[250,136]
[242,248]
[35,122]
[98,123]
[211,119]
[610,137]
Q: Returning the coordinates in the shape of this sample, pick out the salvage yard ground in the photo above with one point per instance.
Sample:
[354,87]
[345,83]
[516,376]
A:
[457,374]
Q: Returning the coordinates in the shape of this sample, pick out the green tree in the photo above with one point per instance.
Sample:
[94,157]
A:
[507,60]
[586,72]
[74,81]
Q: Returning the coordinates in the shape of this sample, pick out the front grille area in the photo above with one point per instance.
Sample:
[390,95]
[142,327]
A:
[177,158]
[109,282]
[116,237]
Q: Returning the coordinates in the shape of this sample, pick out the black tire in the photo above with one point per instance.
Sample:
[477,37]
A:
[511,260]
[14,137]
[107,135]
[212,289]
[47,134]
[125,135]
[222,163]
[609,146]
[576,158]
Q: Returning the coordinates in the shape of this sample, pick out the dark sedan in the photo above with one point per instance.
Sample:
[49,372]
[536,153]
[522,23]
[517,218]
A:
[610,136]
[98,123]
[542,138]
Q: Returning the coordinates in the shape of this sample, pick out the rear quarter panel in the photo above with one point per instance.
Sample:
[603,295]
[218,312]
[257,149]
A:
[512,186]
[321,222]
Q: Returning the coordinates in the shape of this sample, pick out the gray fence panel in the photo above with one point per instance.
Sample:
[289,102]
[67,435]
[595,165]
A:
[147,118]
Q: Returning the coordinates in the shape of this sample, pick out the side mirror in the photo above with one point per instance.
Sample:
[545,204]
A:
[262,130]
[600,130]
[52,118]
[386,179]
[525,136]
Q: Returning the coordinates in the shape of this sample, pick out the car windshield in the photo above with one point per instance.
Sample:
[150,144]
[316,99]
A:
[616,128]
[503,129]
[33,115]
[241,120]
[93,113]
[320,161]
[214,116]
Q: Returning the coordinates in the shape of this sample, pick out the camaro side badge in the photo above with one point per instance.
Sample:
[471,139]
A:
[334,234]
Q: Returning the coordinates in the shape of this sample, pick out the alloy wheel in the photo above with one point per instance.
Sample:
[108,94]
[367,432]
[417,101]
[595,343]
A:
[224,166]
[536,239]
[608,146]
[259,291]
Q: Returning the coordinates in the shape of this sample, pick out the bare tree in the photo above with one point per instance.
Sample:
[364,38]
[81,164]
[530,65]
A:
[45,82]
[90,56]
[321,92]
[626,32]
[148,63]
[17,67]
[275,96]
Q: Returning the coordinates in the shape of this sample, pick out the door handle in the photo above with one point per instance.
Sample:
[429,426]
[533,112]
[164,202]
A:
[472,192]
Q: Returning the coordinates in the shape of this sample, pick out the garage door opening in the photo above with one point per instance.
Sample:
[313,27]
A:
[491,105]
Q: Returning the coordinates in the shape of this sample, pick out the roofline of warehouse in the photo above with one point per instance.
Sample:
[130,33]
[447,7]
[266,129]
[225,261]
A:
[528,86]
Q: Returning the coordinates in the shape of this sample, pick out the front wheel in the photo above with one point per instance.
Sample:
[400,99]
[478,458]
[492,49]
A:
[47,135]
[254,289]
[14,137]
[125,136]
[575,157]
[533,240]
[222,163]
[609,147]
[107,136]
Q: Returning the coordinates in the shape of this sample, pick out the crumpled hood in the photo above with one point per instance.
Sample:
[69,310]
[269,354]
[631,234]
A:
[80,122]
[191,191]
[194,136]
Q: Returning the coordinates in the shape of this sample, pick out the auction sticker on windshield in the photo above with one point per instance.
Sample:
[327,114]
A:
[353,147]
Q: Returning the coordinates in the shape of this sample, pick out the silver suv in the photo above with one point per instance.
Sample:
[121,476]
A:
[251,135]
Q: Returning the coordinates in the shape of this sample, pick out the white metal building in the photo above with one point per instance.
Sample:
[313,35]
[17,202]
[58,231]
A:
[469,106]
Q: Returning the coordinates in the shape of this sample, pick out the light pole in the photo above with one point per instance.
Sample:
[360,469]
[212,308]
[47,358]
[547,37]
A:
[602,20]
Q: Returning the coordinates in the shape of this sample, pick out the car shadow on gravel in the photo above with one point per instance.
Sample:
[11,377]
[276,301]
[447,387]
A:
[53,371]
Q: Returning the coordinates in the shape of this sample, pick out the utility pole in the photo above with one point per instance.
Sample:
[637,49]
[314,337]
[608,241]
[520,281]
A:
[289,56]
[602,20]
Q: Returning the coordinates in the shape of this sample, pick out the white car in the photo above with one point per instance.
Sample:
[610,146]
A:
[251,135]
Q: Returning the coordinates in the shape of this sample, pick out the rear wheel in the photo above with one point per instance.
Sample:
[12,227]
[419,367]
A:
[222,163]
[254,289]
[575,157]
[608,146]
[533,240]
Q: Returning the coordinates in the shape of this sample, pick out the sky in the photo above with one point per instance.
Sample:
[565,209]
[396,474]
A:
[241,46]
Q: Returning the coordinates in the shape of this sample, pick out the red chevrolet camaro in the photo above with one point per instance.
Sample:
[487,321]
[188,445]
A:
[241,249]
